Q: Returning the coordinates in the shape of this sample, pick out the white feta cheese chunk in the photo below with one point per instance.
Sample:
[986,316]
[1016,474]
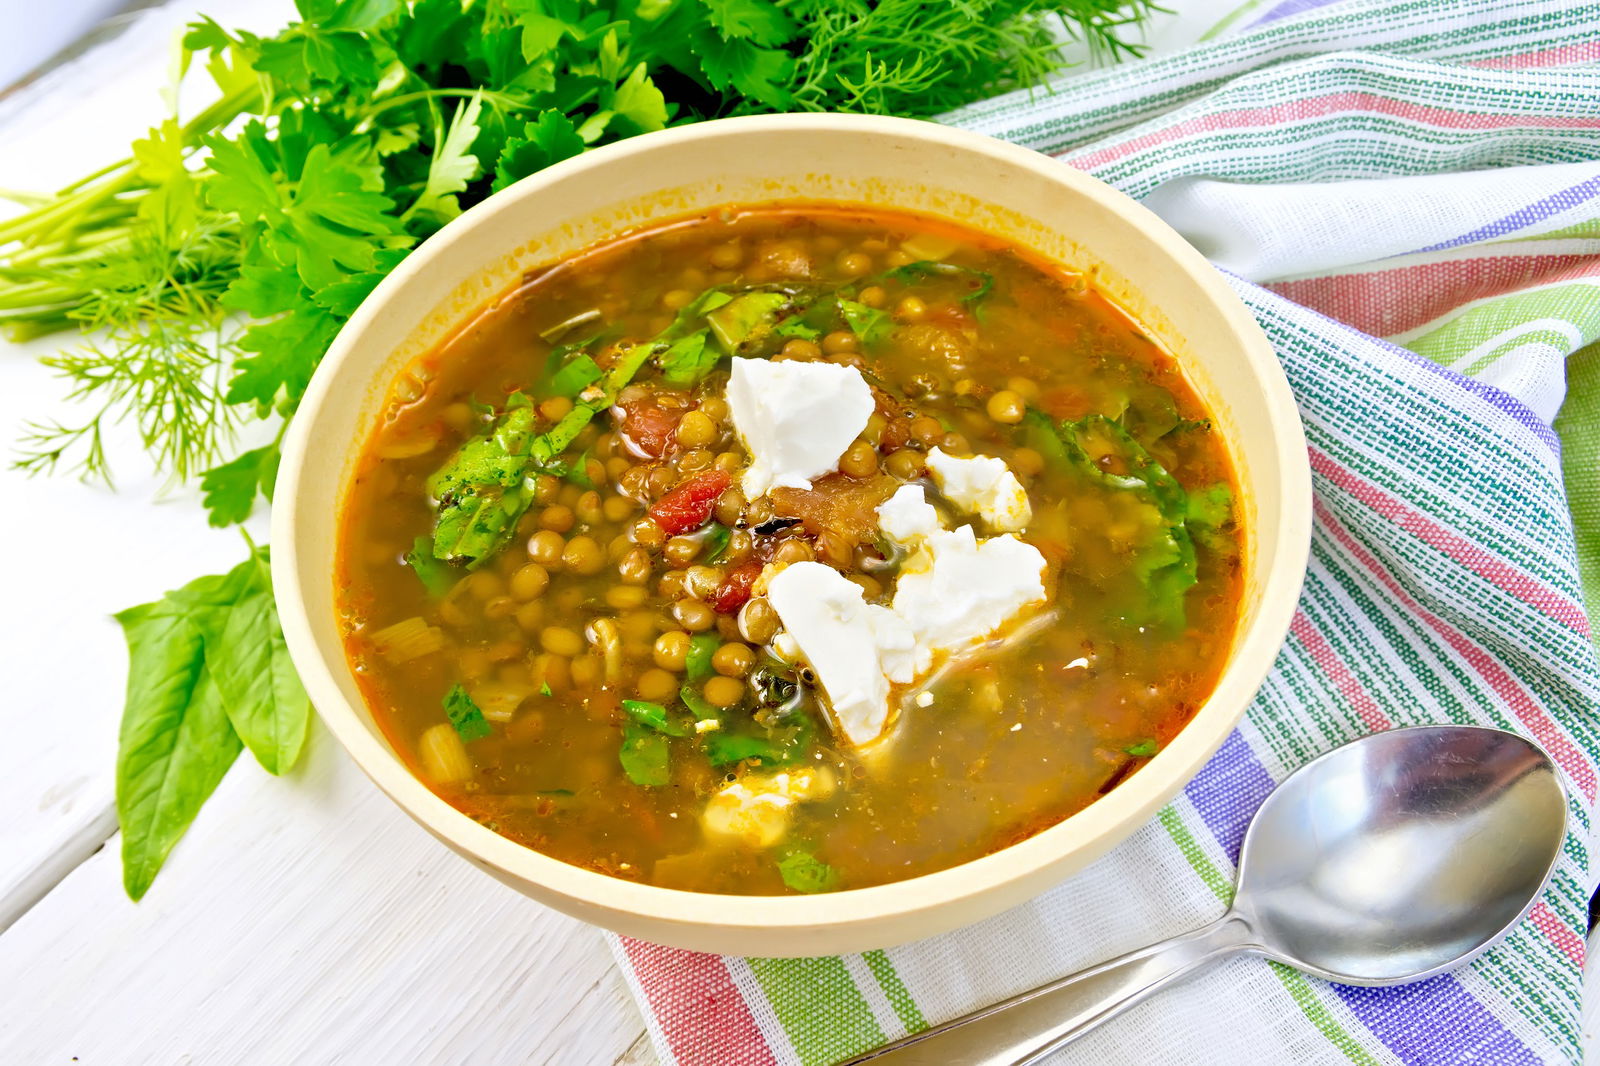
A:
[795,418]
[756,809]
[907,518]
[984,486]
[840,635]
[955,590]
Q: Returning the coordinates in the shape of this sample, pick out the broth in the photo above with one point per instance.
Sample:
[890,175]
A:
[591,681]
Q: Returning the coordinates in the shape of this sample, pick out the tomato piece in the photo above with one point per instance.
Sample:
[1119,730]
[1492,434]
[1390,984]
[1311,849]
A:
[734,591]
[647,429]
[688,505]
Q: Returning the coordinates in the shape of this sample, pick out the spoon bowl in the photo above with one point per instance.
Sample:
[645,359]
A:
[1402,855]
[1387,860]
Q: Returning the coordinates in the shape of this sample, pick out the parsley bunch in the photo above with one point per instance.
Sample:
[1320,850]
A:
[215,264]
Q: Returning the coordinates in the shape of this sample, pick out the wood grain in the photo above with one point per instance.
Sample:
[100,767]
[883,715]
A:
[307,920]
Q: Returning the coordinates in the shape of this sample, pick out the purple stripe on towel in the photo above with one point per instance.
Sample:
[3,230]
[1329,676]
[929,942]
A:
[1227,791]
[1290,7]
[1435,1021]
[1553,204]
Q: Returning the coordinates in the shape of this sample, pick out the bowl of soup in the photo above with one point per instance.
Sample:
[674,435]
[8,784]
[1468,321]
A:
[791,535]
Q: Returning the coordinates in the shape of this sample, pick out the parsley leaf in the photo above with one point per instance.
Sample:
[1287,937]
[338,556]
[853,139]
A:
[451,167]
[546,140]
[230,489]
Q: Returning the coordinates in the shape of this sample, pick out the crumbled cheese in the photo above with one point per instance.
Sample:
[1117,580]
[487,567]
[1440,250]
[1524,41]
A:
[907,518]
[795,418]
[956,590]
[952,592]
[924,699]
[844,639]
[984,486]
[707,725]
[756,809]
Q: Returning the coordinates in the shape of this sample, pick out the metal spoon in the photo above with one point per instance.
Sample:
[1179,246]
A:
[1387,860]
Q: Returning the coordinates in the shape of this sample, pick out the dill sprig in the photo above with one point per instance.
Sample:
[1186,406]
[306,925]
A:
[923,57]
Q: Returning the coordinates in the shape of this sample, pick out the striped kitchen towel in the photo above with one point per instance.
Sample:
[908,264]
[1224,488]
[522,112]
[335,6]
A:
[1407,195]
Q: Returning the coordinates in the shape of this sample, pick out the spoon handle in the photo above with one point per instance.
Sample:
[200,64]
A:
[1026,1027]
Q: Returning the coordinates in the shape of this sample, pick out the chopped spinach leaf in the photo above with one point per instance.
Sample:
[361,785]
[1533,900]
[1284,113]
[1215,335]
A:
[796,326]
[1209,510]
[697,666]
[689,359]
[722,748]
[979,282]
[545,689]
[745,319]
[698,705]
[653,716]
[436,576]
[562,328]
[644,755]
[1100,450]
[480,490]
[1143,750]
[469,722]
[868,323]
[804,872]
[579,372]
[716,542]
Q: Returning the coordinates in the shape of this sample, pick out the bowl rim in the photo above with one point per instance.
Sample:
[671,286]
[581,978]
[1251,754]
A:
[1108,821]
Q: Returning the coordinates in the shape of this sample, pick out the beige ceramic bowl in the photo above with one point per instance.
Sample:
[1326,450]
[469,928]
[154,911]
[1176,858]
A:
[1002,189]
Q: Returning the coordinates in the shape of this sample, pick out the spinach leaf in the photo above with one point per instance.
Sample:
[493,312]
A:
[1143,750]
[804,872]
[464,714]
[1103,452]
[745,319]
[480,489]
[868,323]
[689,359]
[436,576]
[698,705]
[796,326]
[249,664]
[578,373]
[697,665]
[978,282]
[206,666]
[653,716]
[644,755]
[1209,510]
[716,542]
[723,748]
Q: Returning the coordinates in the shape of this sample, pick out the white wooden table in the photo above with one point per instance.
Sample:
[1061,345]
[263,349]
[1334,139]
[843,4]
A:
[303,920]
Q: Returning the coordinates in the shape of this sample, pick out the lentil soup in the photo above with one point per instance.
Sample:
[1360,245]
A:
[788,548]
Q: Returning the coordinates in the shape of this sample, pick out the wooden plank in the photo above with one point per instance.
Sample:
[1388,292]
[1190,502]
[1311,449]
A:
[76,554]
[307,920]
